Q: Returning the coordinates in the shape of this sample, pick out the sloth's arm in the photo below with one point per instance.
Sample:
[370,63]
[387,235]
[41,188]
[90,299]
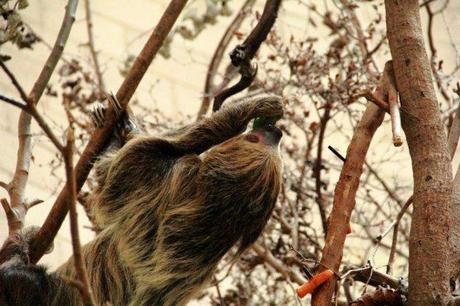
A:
[228,122]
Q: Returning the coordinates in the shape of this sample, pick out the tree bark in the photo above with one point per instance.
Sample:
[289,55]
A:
[429,246]
[347,186]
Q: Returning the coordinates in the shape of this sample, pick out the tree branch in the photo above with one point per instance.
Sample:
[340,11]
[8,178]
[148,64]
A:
[18,184]
[242,55]
[433,222]
[92,49]
[318,165]
[218,55]
[347,186]
[80,267]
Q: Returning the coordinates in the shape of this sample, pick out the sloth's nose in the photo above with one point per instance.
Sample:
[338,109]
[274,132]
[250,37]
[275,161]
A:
[274,133]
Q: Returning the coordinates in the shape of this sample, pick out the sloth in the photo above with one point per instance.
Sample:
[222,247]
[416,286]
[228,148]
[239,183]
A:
[170,208]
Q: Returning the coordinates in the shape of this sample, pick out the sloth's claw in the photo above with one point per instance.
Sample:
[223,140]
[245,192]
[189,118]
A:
[115,103]
[98,115]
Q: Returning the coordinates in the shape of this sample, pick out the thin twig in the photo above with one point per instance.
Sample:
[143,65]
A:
[15,82]
[13,102]
[394,242]
[72,191]
[92,48]
[275,263]
[317,169]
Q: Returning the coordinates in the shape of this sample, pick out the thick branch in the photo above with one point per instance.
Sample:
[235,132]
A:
[347,186]
[432,220]
[57,214]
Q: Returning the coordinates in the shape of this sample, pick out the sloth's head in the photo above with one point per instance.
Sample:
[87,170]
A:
[250,161]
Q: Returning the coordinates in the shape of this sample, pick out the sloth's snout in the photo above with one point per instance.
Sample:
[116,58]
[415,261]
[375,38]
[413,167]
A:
[274,134]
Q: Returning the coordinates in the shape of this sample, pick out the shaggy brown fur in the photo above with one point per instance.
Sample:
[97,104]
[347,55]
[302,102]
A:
[170,208]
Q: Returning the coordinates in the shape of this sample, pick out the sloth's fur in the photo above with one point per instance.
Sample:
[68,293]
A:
[170,208]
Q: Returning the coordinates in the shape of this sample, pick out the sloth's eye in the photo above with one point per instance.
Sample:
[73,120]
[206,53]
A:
[252,138]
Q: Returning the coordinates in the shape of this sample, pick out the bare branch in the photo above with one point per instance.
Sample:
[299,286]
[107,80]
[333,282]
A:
[72,191]
[218,55]
[317,169]
[92,49]
[20,178]
[242,55]
[347,186]
[15,82]
[395,233]
[13,102]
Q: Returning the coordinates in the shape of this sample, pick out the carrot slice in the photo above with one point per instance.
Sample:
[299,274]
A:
[313,283]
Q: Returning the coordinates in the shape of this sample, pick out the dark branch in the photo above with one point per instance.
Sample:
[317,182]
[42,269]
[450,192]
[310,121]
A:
[242,55]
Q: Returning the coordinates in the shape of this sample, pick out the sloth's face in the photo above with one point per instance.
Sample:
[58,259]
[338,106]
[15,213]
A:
[268,134]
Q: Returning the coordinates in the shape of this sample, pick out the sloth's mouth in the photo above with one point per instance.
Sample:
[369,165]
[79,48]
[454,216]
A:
[274,132]
[270,133]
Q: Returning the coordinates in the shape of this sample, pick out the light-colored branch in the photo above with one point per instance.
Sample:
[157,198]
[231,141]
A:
[395,118]
[20,178]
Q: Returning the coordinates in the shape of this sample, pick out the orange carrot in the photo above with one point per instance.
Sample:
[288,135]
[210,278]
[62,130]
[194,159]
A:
[349,229]
[313,283]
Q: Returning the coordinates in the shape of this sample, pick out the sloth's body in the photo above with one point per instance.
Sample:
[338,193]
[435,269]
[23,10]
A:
[171,208]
